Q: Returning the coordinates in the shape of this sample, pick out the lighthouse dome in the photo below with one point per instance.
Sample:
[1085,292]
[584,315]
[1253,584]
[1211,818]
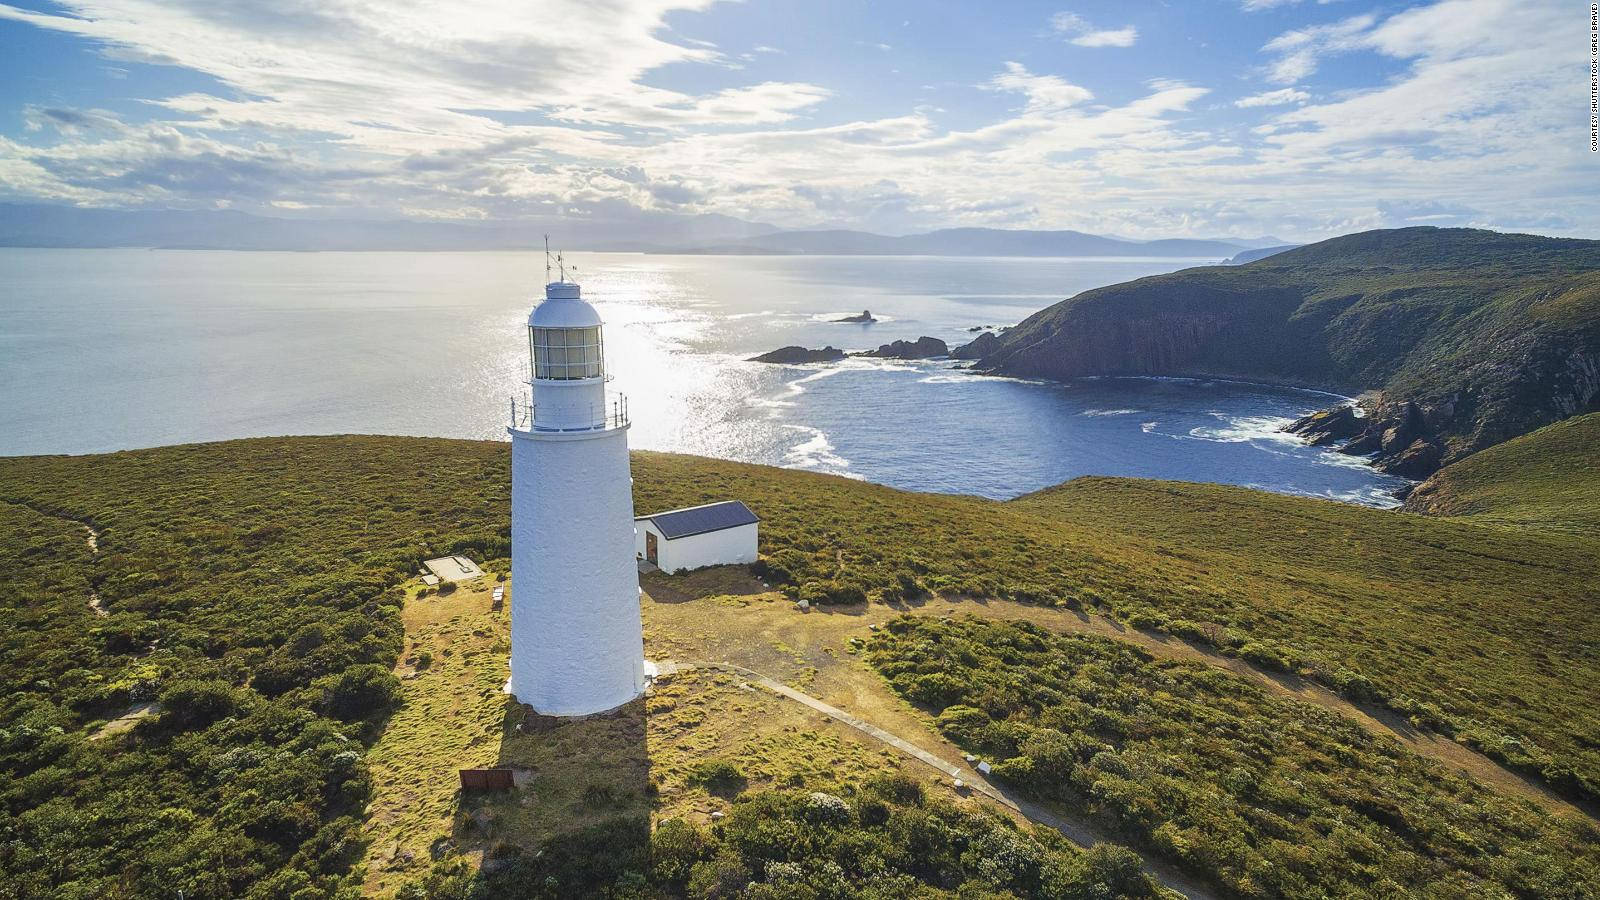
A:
[563,307]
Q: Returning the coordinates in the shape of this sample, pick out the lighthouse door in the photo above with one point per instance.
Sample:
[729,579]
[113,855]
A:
[650,547]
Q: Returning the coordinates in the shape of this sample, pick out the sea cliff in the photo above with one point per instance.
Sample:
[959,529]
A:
[1459,338]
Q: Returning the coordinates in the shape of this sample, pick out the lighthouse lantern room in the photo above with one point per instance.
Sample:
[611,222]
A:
[576,638]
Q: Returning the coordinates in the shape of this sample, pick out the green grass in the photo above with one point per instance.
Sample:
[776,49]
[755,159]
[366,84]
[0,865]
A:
[1485,634]
[267,571]
[882,838]
[1264,796]
[1549,480]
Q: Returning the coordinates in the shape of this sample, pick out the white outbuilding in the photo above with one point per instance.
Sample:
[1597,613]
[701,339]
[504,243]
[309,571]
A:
[716,534]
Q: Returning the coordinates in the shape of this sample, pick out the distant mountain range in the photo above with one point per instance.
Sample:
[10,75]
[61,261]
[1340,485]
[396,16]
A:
[31,225]
[976,242]
[36,225]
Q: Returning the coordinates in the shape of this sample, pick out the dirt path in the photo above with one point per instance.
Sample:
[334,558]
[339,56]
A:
[1374,719]
[1075,830]
[766,633]
[127,720]
[93,540]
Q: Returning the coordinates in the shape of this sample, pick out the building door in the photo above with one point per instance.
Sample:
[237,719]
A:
[650,547]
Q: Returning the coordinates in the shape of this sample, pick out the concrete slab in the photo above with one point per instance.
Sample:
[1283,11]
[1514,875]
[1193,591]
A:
[453,568]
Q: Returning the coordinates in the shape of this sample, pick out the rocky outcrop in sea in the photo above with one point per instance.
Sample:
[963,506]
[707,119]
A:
[922,348]
[795,355]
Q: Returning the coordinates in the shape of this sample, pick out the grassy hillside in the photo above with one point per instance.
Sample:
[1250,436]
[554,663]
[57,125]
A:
[1267,797]
[251,587]
[1481,633]
[1489,335]
[248,591]
[1549,479]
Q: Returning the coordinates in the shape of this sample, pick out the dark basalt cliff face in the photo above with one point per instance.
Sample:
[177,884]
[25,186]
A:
[1462,338]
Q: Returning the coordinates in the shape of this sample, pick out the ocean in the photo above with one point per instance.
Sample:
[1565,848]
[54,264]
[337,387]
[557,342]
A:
[113,349]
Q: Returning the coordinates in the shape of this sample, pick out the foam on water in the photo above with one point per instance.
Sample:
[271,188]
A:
[816,453]
[1243,429]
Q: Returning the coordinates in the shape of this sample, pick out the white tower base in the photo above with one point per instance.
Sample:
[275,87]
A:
[577,644]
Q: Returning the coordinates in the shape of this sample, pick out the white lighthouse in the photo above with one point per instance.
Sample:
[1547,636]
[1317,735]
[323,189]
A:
[576,639]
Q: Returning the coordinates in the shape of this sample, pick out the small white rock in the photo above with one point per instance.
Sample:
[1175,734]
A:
[718,816]
[984,768]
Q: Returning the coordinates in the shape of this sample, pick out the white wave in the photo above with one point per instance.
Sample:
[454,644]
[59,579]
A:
[1244,429]
[816,453]
[797,386]
[1369,495]
[1148,427]
[750,315]
[952,378]
[1344,460]
[768,403]
[1108,412]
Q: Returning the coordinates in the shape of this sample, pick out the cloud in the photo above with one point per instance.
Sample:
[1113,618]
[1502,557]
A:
[69,121]
[382,108]
[1300,50]
[407,65]
[1044,92]
[1076,30]
[1273,98]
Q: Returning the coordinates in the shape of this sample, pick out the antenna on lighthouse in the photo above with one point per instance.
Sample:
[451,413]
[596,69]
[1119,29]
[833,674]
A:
[547,258]
[561,264]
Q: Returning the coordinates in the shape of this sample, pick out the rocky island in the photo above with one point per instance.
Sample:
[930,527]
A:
[922,348]
[864,319]
[795,355]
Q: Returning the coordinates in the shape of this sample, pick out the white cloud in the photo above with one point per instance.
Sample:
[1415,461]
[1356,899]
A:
[1044,92]
[1274,98]
[380,107]
[1299,51]
[1076,30]
[408,65]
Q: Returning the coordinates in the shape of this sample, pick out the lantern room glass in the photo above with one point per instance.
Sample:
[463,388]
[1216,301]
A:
[566,354]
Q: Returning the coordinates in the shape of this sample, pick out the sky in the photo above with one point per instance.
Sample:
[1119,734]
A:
[1238,118]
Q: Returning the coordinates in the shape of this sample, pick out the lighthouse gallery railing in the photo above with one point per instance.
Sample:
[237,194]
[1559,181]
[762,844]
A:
[611,414]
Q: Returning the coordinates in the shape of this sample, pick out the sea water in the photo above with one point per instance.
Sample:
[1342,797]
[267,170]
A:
[112,349]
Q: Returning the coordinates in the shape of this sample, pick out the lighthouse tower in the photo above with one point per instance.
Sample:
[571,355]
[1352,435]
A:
[576,640]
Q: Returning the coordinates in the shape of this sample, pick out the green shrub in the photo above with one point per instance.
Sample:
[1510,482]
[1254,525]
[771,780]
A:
[719,776]
[1261,794]
[196,703]
[360,692]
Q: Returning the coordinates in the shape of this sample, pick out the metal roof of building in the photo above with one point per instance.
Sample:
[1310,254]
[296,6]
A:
[694,520]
